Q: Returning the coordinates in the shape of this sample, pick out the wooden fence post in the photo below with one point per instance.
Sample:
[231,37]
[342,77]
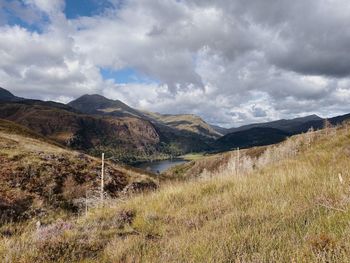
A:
[102,176]
[237,162]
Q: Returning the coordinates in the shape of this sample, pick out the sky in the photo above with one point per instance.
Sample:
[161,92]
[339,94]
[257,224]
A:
[232,62]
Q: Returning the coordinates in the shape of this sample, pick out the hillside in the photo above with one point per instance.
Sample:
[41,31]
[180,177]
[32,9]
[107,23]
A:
[272,132]
[97,104]
[251,137]
[95,124]
[127,139]
[175,138]
[220,129]
[5,95]
[81,125]
[185,122]
[38,177]
[287,203]
[292,126]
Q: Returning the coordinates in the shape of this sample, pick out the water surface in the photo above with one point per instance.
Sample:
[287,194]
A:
[160,166]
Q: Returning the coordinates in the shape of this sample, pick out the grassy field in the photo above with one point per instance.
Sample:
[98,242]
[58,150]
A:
[289,203]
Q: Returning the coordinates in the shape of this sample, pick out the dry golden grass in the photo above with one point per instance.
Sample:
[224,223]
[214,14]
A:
[38,178]
[290,205]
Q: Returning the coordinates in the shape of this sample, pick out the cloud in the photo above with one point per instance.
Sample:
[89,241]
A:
[231,62]
[44,66]
[15,9]
[47,6]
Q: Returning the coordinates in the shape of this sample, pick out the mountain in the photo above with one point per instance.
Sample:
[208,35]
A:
[272,132]
[38,176]
[8,97]
[97,104]
[339,119]
[257,136]
[128,139]
[95,124]
[192,134]
[5,95]
[185,122]
[219,129]
[292,126]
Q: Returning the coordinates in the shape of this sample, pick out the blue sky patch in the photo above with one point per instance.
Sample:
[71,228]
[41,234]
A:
[126,75]
[18,13]
[78,8]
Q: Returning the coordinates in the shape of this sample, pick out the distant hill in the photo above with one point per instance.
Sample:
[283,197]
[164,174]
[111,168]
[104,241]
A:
[5,95]
[97,124]
[259,136]
[291,126]
[272,132]
[185,122]
[128,139]
[219,129]
[178,133]
[8,97]
[97,104]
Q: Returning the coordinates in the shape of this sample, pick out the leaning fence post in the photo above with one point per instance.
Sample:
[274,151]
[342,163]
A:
[102,175]
[237,161]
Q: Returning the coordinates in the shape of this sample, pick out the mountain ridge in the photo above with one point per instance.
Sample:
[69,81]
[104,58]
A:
[6,95]
[100,105]
[95,123]
[283,124]
[129,139]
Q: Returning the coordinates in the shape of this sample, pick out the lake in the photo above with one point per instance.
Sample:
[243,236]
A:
[160,166]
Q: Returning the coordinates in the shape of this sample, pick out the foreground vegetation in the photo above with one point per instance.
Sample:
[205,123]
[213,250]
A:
[39,177]
[284,203]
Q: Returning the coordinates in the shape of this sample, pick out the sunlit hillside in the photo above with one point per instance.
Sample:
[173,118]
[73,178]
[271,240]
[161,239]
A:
[40,178]
[288,203]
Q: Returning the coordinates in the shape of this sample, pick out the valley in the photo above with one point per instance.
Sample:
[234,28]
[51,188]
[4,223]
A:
[209,209]
[176,131]
[95,124]
[174,188]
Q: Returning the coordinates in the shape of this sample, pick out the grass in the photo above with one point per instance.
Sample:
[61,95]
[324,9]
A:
[285,204]
[39,179]
[192,156]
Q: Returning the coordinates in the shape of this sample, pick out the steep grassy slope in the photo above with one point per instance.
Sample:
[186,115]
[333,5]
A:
[38,177]
[288,204]
[209,163]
